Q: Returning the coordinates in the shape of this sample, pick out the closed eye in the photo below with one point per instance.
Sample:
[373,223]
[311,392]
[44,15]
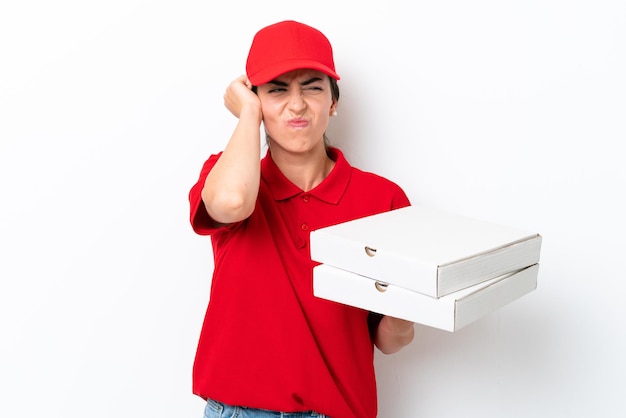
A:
[313,85]
[277,87]
[312,90]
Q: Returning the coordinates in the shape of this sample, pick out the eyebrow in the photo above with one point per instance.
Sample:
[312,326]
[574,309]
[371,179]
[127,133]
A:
[304,83]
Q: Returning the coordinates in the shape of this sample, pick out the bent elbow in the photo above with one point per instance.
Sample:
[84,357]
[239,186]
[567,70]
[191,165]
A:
[228,207]
[398,345]
[393,335]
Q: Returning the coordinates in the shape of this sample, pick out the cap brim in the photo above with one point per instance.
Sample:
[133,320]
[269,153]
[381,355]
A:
[270,72]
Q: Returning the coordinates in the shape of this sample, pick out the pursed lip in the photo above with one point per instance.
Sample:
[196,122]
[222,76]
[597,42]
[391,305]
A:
[298,123]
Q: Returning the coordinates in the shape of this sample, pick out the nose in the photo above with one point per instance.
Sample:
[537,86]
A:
[296,102]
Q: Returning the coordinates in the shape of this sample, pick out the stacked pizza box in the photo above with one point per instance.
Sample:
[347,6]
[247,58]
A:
[425,265]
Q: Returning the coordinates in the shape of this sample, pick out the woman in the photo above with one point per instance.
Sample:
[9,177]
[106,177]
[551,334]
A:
[267,344]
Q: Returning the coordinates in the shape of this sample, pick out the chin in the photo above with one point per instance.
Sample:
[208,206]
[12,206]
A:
[296,146]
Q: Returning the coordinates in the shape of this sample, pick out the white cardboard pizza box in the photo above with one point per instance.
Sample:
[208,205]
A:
[449,313]
[425,250]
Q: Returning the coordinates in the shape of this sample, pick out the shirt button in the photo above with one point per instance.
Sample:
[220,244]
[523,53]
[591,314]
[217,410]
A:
[304,227]
[306,198]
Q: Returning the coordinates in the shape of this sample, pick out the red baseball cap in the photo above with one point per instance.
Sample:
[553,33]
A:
[287,46]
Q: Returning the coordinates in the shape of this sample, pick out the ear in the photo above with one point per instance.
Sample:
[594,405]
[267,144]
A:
[333,109]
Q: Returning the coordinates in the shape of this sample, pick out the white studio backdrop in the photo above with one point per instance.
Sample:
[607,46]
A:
[508,111]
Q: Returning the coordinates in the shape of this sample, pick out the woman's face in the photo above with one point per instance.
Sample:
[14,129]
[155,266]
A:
[296,108]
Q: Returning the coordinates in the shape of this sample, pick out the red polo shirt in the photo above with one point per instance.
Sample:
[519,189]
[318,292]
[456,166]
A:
[266,341]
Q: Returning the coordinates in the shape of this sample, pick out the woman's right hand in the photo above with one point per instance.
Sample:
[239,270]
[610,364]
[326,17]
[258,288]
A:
[231,188]
[239,96]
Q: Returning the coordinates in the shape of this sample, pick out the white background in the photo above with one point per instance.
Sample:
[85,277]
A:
[507,111]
